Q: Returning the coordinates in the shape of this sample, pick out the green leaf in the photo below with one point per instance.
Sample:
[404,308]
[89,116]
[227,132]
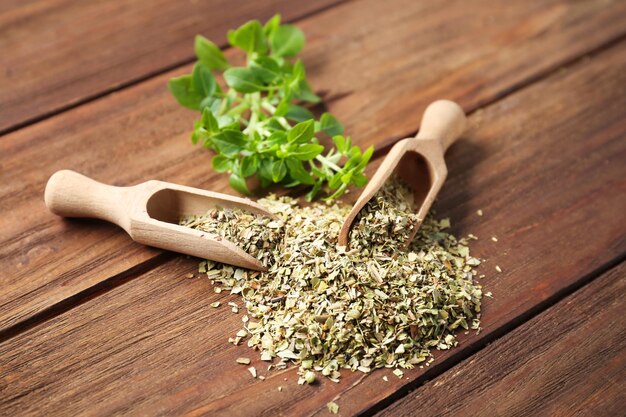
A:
[346,178]
[285,150]
[305,93]
[335,181]
[330,125]
[220,163]
[265,182]
[206,137]
[209,54]
[277,138]
[354,152]
[340,143]
[243,80]
[298,86]
[271,25]
[306,152]
[272,148]
[286,40]
[298,74]
[311,194]
[216,105]
[317,171]
[203,81]
[291,184]
[229,142]
[196,135]
[212,103]
[265,170]
[298,113]
[365,158]
[359,179]
[279,170]
[224,121]
[239,184]
[301,133]
[182,89]
[249,37]
[265,69]
[298,173]
[286,67]
[249,165]
[283,107]
[342,189]
[208,121]
[274,125]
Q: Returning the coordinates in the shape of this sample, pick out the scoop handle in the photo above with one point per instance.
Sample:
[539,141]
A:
[70,194]
[443,120]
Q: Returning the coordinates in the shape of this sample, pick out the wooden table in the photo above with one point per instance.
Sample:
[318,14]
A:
[92,323]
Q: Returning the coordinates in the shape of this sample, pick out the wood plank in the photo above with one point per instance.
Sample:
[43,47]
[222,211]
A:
[569,360]
[526,162]
[141,133]
[155,346]
[58,53]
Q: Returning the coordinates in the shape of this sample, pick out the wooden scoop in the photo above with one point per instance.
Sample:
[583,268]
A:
[418,161]
[149,212]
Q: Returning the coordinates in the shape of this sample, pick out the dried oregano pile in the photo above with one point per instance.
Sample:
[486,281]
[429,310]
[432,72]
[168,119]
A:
[326,307]
[257,235]
[387,220]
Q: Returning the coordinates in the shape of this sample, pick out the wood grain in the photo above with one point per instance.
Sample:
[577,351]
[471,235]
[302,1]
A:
[545,165]
[57,53]
[382,62]
[546,168]
[569,360]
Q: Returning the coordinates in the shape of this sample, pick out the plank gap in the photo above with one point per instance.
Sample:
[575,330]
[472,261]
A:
[385,145]
[508,161]
[145,77]
[136,271]
[84,296]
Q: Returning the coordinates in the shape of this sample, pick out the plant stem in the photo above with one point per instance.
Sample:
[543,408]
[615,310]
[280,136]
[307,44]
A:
[328,163]
[267,106]
[284,123]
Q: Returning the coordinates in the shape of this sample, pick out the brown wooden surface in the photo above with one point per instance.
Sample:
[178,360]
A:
[526,162]
[153,345]
[381,63]
[569,360]
[54,54]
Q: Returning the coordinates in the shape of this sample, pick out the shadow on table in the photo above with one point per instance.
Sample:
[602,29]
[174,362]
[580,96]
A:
[455,196]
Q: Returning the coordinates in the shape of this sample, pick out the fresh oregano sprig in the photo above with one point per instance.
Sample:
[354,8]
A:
[260,125]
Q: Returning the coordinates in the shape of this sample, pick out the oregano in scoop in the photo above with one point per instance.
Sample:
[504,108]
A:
[260,125]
